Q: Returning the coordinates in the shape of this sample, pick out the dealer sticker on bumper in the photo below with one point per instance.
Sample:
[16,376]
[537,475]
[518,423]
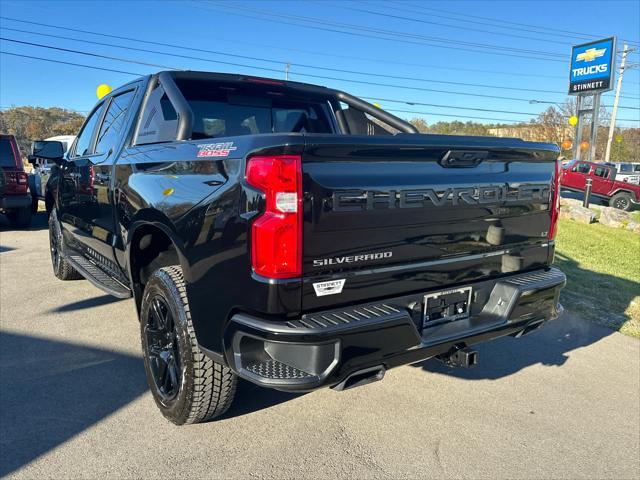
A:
[331,287]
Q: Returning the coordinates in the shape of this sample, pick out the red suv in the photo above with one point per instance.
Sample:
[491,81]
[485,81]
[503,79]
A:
[15,199]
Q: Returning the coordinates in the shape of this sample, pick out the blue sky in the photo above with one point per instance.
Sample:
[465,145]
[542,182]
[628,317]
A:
[504,53]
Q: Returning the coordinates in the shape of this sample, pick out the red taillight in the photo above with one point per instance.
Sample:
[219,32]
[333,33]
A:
[22,178]
[16,182]
[554,207]
[276,236]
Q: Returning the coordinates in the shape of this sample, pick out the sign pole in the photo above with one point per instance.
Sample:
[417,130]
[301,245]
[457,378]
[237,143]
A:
[595,110]
[612,126]
[578,136]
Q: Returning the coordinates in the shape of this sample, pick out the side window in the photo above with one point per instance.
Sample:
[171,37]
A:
[114,122]
[601,172]
[159,122]
[84,144]
[361,123]
[581,168]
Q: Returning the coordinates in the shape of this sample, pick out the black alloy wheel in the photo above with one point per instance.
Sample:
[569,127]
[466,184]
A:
[621,203]
[62,269]
[55,244]
[162,350]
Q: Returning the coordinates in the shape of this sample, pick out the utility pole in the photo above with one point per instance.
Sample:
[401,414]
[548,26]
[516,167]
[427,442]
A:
[612,127]
[286,71]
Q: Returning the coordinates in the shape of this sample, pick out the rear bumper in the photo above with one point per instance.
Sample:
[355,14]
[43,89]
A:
[8,202]
[325,348]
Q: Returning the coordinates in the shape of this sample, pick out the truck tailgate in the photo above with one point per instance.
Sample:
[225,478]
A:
[414,212]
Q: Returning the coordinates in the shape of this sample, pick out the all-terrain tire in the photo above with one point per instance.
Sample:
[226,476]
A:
[205,389]
[20,217]
[621,201]
[62,269]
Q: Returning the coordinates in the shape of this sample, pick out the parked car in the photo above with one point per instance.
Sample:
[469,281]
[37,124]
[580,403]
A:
[41,173]
[15,199]
[627,172]
[604,184]
[298,237]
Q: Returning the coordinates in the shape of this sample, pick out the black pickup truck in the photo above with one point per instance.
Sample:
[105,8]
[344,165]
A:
[298,237]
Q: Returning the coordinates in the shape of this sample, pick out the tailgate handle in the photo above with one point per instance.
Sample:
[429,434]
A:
[463,158]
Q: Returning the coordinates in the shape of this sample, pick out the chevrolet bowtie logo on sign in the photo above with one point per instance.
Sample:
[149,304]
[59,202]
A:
[592,67]
[591,54]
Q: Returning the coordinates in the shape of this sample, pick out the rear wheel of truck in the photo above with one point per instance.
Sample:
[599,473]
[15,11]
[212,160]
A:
[62,269]
[621,201]
[20,217]
[187,386]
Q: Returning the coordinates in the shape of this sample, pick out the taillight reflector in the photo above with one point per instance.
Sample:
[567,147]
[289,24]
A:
[276,235]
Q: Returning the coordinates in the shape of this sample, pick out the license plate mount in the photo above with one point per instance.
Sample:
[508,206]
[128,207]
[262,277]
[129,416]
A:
[446,306]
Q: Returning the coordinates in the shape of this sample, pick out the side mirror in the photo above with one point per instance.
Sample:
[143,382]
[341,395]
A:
[46,149]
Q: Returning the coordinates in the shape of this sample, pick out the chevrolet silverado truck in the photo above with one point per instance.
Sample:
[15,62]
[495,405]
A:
[604,184]
[298,237]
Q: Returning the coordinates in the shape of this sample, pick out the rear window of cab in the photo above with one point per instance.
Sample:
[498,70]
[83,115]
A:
[7,157]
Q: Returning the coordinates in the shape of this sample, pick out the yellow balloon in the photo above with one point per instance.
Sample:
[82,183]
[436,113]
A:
[102,90]
[377,105]
[573,120]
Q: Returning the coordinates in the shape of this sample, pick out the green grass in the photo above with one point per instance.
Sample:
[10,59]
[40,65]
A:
[602,265]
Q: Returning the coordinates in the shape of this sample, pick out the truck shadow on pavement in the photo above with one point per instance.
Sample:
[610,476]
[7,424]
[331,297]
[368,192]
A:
[505,356]
[252,398]
[39,221]
[87,303]
[550,344]
[51,391]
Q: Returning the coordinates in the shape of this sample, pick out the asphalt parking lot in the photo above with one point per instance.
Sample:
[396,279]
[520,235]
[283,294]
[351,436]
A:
[563,402]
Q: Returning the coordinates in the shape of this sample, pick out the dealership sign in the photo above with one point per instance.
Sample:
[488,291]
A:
[592,66]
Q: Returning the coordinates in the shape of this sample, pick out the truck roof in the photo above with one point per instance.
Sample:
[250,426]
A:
[241,78]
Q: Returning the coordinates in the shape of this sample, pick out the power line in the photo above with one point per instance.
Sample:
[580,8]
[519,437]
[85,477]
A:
[3,52]
[465,28]
[475,22]
[389,100]
[127,60]
[482,118]
[246,57]
[454,116]
[277,19]
[363,82]
[278,62]
[381,99]
[356,72]
[136,74]
[562,32]
[392,35]
[310,52]
[409,102]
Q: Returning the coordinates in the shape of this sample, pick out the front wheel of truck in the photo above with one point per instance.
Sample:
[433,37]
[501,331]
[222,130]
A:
[187,386]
